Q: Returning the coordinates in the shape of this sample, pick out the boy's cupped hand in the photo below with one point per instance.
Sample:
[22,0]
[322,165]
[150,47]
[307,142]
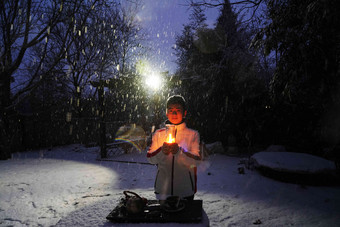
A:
[170,148]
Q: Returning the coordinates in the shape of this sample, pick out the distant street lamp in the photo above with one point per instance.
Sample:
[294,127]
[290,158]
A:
[153,81]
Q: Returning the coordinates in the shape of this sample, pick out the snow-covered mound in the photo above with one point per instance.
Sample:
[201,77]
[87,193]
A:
[297,168]
[293,162]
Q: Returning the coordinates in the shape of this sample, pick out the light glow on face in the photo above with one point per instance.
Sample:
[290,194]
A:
[175,113]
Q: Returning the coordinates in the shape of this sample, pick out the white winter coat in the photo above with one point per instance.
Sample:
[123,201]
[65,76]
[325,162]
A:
[177,174]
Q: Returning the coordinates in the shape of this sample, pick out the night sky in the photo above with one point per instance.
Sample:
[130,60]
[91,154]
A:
[163,21]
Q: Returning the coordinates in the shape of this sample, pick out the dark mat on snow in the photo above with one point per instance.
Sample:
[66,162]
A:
[153,212]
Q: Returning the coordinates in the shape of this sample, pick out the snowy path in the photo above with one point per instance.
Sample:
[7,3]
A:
[67,188]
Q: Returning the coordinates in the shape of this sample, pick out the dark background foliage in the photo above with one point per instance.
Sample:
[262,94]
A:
[68,74]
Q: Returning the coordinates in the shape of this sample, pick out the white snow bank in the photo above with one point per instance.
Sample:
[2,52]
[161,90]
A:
[293,162]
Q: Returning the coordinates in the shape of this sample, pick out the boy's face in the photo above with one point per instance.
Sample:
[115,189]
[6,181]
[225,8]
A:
[175,113]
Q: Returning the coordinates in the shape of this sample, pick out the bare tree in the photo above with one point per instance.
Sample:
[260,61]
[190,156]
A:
[118,40]
[26,24]
[250,7]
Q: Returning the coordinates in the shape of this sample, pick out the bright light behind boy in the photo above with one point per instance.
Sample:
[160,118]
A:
[153,81]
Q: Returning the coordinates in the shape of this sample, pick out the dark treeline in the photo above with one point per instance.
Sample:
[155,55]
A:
[69,74]
[270,79]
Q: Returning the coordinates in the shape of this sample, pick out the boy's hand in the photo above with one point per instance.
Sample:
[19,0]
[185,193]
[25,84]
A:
[166,148]
[170,147]
[174,148]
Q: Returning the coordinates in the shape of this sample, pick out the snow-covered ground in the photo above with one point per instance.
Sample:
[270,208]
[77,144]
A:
[67,186]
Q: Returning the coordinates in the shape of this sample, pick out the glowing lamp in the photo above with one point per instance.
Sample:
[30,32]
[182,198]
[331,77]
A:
[170,139]
[171,131]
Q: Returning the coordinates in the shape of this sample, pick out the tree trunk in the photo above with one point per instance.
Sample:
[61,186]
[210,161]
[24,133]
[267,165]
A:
[103,153]
[102,125]
[5,90]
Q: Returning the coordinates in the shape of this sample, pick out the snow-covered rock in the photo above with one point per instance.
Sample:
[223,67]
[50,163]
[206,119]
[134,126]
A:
[292,162]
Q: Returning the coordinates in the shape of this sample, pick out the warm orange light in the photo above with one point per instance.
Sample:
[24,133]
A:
[170,139]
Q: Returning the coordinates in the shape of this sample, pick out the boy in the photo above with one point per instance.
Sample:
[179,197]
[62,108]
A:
[176,161]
